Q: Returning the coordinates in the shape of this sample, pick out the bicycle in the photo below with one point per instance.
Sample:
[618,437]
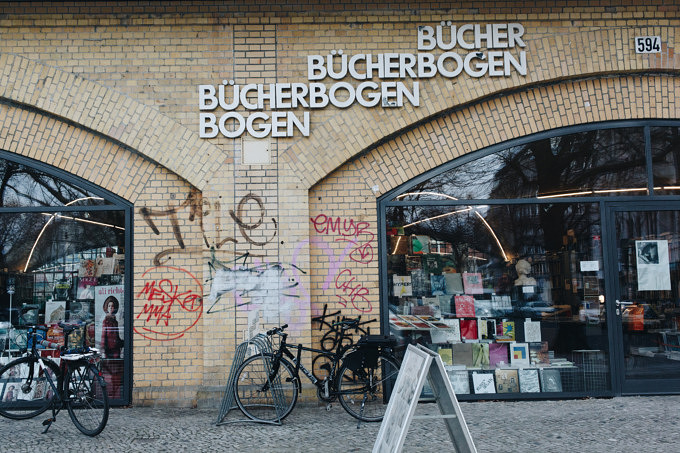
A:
[267,385]
[31,384]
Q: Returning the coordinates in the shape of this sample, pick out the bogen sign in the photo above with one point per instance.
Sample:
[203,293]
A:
[389,68]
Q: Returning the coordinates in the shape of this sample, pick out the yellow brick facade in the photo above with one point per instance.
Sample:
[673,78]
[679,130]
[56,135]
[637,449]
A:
[108,92]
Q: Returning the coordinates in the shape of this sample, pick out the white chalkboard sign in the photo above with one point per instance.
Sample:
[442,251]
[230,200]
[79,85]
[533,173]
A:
[420,363]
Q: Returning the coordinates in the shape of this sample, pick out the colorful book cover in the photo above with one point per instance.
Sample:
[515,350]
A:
[498,354]
[507,331]
[86,287]
[468,329]
[507,380]
[472,283]
[538,353]
[519,354]
[465,306]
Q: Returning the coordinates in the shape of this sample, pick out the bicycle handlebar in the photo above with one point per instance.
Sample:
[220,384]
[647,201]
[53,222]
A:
[276,330]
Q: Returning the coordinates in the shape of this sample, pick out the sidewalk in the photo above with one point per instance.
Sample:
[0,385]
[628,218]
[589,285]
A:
[630,424]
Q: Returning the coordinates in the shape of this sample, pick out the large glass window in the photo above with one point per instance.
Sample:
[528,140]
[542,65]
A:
[62,259]
[497,262]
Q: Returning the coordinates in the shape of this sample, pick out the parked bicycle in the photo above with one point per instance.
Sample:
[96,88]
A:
[32,384]
[267,385]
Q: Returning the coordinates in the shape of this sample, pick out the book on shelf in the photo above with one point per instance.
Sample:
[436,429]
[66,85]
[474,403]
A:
[507,380]
[538,353]
[462,354]
[498,354]
[519,354]
[505,331]
[401,286]
[528,380]
[483,382]
[460,381]
[465,306]
[551,380]
[453,283]
[472,283]
[480,355]
[468,329]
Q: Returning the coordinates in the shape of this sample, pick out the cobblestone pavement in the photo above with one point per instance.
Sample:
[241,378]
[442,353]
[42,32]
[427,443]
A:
[624,424]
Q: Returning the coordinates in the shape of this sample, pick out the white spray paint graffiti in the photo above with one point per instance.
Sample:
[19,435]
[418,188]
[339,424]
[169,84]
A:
[271,288]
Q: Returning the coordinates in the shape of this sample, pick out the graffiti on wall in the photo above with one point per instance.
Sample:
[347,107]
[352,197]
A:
[358,240]
[172,307]
[197,209]
[270,287]
[336,331]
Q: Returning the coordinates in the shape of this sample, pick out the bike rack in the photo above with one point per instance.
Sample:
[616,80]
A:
[262,346]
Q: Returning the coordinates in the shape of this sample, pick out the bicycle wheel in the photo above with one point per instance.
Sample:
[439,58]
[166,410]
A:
[362,391]
[262,397]
[87,400]
[25,389]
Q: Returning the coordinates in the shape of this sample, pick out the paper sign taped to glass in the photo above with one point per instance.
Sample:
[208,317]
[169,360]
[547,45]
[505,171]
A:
[653,269]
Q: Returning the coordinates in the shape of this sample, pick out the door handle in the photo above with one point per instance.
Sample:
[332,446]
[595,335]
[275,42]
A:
[619,303]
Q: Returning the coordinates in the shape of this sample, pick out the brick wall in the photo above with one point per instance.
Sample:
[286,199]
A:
[109,92]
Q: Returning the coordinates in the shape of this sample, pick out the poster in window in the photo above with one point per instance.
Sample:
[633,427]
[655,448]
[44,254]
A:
[472,283]
[653,269]
[108,306]
[401,285]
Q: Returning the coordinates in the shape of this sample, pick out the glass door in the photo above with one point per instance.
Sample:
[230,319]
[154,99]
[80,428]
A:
[644,304]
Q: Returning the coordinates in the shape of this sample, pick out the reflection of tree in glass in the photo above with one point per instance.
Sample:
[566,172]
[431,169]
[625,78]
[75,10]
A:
[24,186]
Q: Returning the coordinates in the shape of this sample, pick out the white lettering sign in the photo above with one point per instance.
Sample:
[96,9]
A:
[470,48]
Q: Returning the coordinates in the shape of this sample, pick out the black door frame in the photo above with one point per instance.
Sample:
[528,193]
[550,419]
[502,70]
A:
[620,385]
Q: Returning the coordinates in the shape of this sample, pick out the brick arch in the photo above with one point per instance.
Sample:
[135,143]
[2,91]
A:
[93,131]
[516,115]
[552,58]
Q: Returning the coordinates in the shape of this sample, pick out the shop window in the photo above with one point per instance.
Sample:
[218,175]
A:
[502,290]
[62,259]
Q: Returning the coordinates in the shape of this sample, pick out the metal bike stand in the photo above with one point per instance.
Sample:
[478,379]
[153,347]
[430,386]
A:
[262,345]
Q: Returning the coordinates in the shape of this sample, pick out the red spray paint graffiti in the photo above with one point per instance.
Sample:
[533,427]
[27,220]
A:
[349,290]
[172,306]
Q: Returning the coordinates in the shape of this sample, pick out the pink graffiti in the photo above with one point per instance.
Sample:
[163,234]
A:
[165,302]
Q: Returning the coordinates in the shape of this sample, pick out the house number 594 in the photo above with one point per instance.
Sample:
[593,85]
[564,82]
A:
[647,44]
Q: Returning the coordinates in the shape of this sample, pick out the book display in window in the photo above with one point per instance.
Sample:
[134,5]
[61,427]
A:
[465,306]
[468,329]
[462,354]
[453,282]
[401,286]
[551,381]
[460,381]
[507,380]
[483,382]
[532,331]
[528,380]
[519,354]
[472,283]
[480,355]
[498,355]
